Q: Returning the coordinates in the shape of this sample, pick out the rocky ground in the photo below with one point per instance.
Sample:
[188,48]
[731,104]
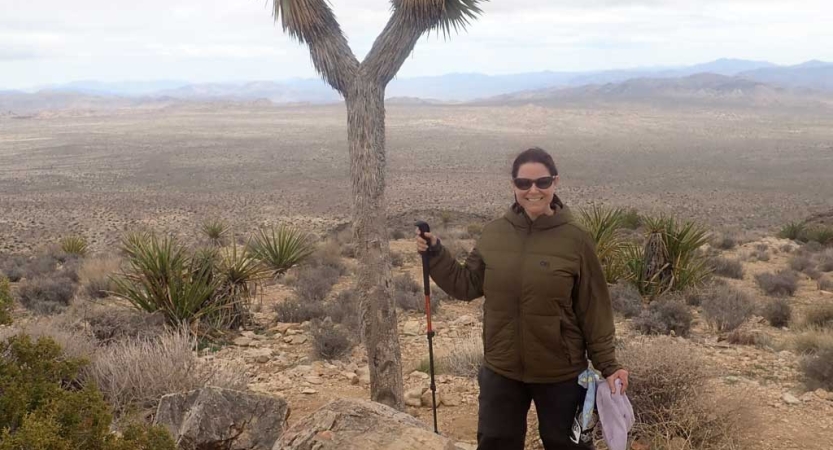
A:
[782,414]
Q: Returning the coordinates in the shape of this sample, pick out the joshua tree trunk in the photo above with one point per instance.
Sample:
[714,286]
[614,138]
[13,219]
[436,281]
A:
[363,87]
[366,134]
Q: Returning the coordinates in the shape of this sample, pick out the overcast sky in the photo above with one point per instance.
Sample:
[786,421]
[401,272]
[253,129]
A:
[57,41]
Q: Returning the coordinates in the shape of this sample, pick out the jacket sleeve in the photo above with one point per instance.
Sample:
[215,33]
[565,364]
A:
[592,306]
[460,281]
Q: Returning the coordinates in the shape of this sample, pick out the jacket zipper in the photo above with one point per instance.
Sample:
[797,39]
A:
[520,301]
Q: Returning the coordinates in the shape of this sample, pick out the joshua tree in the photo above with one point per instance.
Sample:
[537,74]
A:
[362,84]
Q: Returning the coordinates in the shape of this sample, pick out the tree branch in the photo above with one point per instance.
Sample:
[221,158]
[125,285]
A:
[393,46]
[313,22]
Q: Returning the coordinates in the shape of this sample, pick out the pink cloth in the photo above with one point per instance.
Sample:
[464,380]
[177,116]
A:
[615,414]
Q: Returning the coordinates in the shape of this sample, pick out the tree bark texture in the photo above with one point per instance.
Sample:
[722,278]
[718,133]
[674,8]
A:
[366,135]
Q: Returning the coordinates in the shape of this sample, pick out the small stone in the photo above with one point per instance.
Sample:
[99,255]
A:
[822,394]
[465,320]
[299,339]
[450,400]
[414,393]
[309,391]
[242,341]
[326,435]
[465,446]
[411,328]
[262,359]
[364,374]
[415,402]
[314,380]
[417,375]
[808,397]
[790,399]
[281,328]
[428,401]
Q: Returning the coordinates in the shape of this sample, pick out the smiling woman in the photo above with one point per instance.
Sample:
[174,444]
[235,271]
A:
[547,311]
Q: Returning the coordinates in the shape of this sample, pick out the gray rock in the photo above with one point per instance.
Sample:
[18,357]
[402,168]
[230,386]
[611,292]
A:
[212,418]
[790,399]
[350,424]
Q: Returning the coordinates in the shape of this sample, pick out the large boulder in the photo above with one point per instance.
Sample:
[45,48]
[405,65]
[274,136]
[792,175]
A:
[349,424]
[222,419]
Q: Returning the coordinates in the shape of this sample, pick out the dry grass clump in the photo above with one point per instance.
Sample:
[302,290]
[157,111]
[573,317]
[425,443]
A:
[727,308]
[753,338]
[95,275]
[819,316]
[330,341]
[726,267]
[782,283]
[812,342]
[818,370]
[409,295]
[626,299]
[778,312]
[665,316]
[134,374]
[668,391]
[49,294]
[825,283]
[464,359]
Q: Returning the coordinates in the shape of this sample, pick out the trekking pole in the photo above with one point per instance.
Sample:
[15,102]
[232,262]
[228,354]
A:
[424,228]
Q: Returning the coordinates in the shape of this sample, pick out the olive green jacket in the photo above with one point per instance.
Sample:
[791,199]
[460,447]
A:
[547,307]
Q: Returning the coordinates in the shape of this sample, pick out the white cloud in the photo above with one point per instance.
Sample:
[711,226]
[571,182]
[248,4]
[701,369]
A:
[51,41]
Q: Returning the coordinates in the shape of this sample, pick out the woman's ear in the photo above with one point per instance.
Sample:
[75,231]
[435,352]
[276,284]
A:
[555,182]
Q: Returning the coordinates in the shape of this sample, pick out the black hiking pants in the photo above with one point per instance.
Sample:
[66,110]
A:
[504,404]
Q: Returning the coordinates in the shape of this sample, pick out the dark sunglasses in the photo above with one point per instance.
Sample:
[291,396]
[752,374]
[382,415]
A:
[526,183]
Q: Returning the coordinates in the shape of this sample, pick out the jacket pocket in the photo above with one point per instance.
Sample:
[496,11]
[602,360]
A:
[546,348]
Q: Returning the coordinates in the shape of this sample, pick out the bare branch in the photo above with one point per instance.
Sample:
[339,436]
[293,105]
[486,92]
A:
[410,20]
[313,22]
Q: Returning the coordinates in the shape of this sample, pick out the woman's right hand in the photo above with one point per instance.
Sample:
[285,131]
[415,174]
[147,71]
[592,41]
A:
[422,244]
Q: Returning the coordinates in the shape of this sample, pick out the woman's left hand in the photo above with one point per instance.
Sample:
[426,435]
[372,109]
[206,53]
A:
[620,374]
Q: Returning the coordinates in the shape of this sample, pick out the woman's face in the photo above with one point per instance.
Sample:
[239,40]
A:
[534,188]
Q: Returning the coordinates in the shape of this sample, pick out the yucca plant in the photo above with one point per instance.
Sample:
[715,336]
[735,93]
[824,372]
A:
[239,272]
[792,230]
[74,245]
[819,233]
[605,225]
[160,276]
[280,248]
[675,261]
[215,230]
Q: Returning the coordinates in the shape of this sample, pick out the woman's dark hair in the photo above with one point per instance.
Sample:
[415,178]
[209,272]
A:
[535,155]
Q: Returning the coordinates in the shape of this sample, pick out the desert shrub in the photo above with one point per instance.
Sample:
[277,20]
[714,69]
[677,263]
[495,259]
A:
[631,219]
[396,259]
[46,406]
[811,247]
[792,230]
[295,310]
[825,261]
[74,245]
[408,295]
[725,242]
[397,234]
[67,331]
[327,254]
[818,370]
[456,248]
[778,312]
[135,373]
[813,273]
[313,284]
[753,338]
[12,267]
[783,283]
[6,301]
[813,341]
[801,262]
[727,308]
[820,316]
[687,266]
[667,389]
[626,299]
[819,233]
[825,283]
[329,341]
[110,324]
[281,248]
[95,275]
[665,316]
[344,309]
[464,359]
[729,268]
[46,294]
[473,230]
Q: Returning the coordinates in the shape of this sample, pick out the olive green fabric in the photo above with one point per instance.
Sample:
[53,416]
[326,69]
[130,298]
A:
[547,307]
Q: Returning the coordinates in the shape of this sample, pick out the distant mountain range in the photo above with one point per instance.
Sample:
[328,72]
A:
[725,78]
